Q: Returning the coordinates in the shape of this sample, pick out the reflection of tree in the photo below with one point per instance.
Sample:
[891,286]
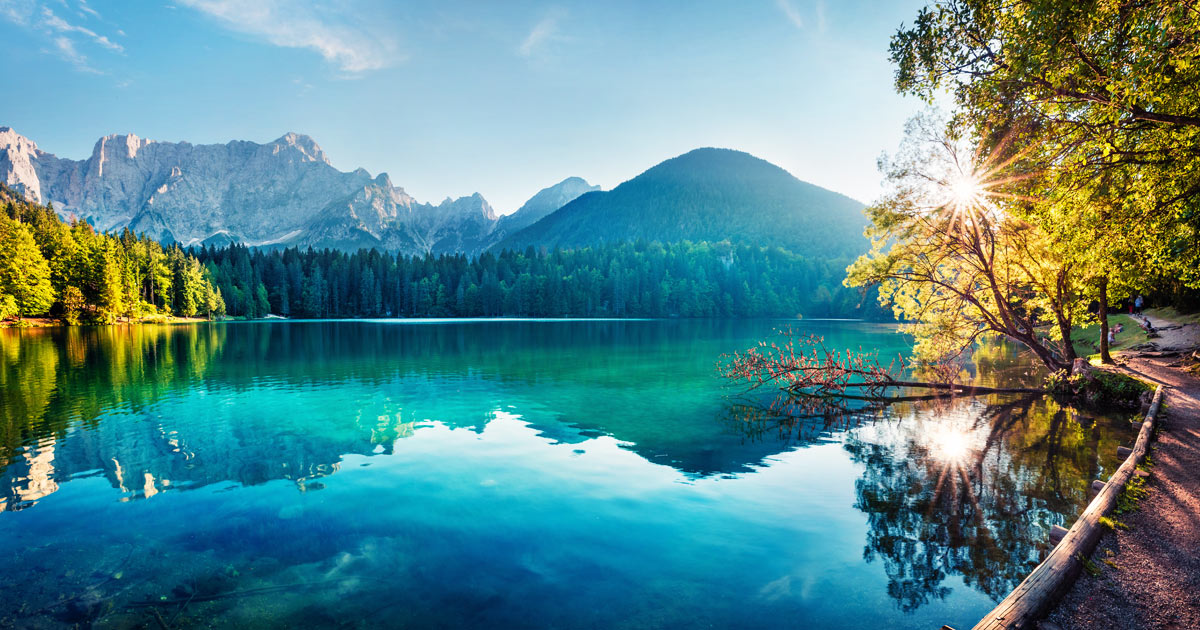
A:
[930,516]
[952,486]
[983,511]
[800,419]
[114,382]
[54,377]
[28,373]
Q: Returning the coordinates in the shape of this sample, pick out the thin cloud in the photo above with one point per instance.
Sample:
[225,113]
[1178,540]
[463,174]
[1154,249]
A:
[83,6]
[338,36]
[60,25]
[61,37]
[792,14]
[66,50]
[546,30]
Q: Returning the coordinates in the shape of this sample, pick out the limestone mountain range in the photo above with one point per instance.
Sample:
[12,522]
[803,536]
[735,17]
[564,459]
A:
[283,192]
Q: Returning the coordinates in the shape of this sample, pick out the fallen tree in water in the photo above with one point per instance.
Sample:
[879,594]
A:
[803,367]
[807,372]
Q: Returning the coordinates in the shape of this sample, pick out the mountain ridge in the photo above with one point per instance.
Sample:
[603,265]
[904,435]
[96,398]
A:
[707,194]
[287,193]
[280,193]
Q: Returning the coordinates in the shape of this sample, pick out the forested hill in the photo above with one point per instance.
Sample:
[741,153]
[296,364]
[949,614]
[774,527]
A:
[708,195]
[70,271]
[637,279]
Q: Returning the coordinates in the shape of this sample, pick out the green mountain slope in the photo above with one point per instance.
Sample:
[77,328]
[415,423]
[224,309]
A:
[708,195]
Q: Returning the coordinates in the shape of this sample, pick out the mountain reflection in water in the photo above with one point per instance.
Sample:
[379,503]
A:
[515,451]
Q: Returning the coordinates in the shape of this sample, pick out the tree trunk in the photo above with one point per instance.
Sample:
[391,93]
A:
[1068,348]
[1044,354]
[1064,323]
[1105,357]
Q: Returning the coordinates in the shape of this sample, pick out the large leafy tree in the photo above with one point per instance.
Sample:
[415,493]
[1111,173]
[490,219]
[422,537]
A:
[1105,96]
[24,274]
[953,259]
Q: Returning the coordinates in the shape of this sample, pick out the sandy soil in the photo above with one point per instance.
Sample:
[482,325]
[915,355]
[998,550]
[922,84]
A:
[1156,581]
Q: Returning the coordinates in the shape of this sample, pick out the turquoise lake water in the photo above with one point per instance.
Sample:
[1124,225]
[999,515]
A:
[506,474]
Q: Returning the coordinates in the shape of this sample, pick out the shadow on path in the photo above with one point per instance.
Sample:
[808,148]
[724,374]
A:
[1156,581]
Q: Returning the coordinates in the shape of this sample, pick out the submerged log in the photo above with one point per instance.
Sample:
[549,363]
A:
[1050,579]
[954,388]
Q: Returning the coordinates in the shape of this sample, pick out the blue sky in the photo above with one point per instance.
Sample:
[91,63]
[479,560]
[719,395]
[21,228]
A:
[450,98]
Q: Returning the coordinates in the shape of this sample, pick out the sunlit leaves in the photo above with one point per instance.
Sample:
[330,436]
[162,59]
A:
[1105,97]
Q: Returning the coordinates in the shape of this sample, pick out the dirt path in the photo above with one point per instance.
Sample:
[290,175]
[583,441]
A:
[1173,336]
[1158,582]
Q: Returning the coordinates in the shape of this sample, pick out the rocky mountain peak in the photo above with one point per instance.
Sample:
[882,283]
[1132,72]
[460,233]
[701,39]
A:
[281,193]
[115,146]
[10,139]
[302,143]
[17,157]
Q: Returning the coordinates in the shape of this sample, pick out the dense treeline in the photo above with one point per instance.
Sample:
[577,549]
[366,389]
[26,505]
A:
[69,271]
[624,280]
[52,268]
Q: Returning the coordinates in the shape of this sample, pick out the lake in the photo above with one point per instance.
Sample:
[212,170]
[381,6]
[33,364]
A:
[507,474]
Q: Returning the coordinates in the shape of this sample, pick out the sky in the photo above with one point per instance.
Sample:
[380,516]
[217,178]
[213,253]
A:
[451,98]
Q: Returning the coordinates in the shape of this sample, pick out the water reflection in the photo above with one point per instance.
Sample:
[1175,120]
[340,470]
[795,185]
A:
[462,475]
[953,486]
[140,399]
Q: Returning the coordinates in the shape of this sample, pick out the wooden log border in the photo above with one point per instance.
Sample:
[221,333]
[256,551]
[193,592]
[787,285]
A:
[1042,588]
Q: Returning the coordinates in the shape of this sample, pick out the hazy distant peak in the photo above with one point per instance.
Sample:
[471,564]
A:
[558,195]
[546,201]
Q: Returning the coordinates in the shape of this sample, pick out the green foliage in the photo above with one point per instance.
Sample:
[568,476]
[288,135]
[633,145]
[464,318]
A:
[48,267]
[1098,100]
[1113,524]
[24,273]
[73,305]
[8,306]
[621,280]
[1135,490]
[1098,388]
[1088,566]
